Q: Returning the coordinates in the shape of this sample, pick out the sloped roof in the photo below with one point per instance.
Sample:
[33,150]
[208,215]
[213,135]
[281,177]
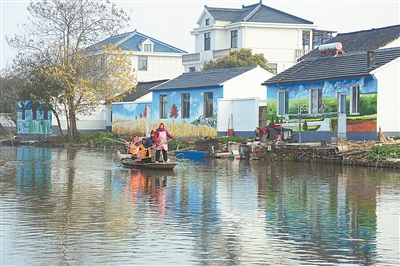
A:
[203,79]
[254,13]
[364,40]
[332,67]
[142,88]
[132,41]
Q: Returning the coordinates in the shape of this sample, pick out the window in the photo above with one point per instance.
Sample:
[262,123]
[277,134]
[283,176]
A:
[273,68]
[147,47]
[315,101]
[185,105]
[355,100]
[234,38]
[207,41]
[163,106]
[207,21]
[342,102]
[208,104]
[283,103]
[192,69]
[142,63]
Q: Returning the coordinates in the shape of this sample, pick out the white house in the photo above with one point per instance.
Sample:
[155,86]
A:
[281,37]
[153,60]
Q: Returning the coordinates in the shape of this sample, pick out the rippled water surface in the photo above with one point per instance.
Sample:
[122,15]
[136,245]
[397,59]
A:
[77,207]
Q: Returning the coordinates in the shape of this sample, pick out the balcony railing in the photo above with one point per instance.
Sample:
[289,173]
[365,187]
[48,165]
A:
[220,53]
[302,52]
[186,58]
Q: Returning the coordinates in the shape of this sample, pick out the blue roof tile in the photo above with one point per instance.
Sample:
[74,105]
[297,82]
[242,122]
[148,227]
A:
[131,41]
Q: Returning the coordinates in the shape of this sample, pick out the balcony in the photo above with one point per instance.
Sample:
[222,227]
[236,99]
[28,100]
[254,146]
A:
[187,58]
[302,52]
[220,53]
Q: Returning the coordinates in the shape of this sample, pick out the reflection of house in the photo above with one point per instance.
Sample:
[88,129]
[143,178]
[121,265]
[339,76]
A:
[152,59]
[202,103]
[364,84]
[281,37]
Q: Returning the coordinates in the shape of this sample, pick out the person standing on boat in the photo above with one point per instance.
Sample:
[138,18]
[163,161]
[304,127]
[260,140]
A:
[160,137]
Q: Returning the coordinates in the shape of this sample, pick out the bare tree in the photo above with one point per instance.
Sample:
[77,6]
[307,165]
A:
[57,38]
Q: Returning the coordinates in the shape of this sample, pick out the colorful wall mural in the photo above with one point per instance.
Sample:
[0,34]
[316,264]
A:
[183,121]
[33,118]
[302,98]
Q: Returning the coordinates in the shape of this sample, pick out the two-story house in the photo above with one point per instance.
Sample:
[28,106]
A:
[153,60]
[281,37]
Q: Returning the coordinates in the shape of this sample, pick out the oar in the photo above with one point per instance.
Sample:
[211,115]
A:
[119,141]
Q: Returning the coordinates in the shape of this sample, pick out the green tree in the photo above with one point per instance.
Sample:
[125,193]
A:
[237,58]
[78,79]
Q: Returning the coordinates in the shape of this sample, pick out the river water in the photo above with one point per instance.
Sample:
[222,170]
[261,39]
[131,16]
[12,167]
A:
[78,207]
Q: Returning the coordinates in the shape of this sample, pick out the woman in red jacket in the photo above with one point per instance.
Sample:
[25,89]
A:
[160,137]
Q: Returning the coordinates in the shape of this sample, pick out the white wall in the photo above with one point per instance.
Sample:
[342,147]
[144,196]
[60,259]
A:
[247,84]
[94,122]
[159,66]
[244,112]
[388,96]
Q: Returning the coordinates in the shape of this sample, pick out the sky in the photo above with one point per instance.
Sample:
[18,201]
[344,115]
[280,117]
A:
[171,21]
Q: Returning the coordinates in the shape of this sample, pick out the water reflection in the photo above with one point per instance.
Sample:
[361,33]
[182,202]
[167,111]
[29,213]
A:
[71,206]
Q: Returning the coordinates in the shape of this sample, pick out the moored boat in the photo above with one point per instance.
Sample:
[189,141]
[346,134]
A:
[192,155]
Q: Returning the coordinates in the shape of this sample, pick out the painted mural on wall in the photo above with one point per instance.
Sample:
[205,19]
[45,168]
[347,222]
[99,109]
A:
[33,118]
[185,113]
[314,106]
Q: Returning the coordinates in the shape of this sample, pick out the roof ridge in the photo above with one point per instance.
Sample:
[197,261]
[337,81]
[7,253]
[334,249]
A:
[160,42]
[352,53]
[366,30]
[252,12]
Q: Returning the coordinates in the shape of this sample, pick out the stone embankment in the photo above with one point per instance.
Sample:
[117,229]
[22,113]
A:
[345,153]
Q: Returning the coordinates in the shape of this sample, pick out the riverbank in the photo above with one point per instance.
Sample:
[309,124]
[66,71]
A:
[367,154]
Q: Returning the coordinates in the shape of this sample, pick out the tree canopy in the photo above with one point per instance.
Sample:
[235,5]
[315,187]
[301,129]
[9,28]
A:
[58,68]
[237,58]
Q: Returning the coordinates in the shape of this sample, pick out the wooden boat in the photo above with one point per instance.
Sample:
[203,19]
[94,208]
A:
[153,166]
[126,160]
[2,163]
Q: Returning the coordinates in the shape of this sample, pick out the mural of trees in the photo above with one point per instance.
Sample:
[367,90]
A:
[174,111]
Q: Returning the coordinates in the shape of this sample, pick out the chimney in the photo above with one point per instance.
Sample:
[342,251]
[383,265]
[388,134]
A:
[370,59]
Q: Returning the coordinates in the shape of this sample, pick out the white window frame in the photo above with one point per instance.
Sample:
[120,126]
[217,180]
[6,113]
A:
[315,101]
[147,46]
[207,41]
[282,106]
[163,106]
[142,63]
[234,38]
[342,103]
[208,104]
[355,100]
[185,110]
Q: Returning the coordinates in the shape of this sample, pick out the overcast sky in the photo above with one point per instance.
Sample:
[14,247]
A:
[171,21]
